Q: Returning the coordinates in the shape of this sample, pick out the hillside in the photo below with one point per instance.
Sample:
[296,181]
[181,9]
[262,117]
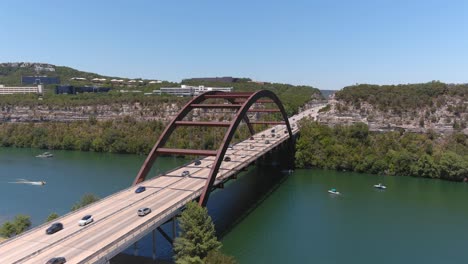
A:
[413,107]
[27,108]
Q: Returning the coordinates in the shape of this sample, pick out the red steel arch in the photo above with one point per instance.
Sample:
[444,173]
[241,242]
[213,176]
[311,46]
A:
[242,102]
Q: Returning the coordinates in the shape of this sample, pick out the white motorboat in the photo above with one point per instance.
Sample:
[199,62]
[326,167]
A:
[45,155]
[380,186]
[334,191]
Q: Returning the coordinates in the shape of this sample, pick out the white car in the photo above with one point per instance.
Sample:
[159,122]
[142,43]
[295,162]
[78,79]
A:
[144,211]
[185,173]
[85,220]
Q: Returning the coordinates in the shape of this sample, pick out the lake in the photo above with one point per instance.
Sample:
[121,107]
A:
[266,216]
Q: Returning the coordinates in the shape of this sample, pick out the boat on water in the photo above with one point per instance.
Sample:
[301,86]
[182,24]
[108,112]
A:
[23,181]
[334,191]
[45,155]
[380,186]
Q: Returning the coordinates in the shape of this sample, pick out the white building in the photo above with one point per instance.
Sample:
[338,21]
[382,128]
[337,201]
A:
[21,90]
[78,79]
[185,90]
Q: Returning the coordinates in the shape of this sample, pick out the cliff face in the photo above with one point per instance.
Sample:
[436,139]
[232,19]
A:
[447,118]
[99,112]
[137,111]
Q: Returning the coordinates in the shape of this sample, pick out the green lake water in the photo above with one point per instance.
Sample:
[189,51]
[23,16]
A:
[265,216]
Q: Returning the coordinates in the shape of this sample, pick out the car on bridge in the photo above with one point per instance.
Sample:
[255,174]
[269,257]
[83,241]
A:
[197,162]
[86,220]
[267,141]
[185,173]
[55,227]
[278,135]
[58,260]
[251,146]
[231,146]
[143,211]
[227,158]
[252,138]
[140,189]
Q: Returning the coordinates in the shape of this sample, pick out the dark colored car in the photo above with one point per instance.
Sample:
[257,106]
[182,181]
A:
[185,173]
[197,162]
[272,131]
[55,227]
[251,138]
[227,158]
[58,260]
[140,189]
[285,131]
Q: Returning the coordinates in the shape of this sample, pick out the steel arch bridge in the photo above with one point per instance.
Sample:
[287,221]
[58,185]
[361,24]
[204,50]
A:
[241,102]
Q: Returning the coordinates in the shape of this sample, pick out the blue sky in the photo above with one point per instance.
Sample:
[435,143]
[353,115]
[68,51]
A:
[327,44]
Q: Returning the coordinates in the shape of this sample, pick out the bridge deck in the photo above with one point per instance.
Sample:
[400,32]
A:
[116,224]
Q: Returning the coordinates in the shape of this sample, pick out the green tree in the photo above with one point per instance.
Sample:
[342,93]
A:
[85,200]
[8,229]
[217,257]
[197,237]
[20,224]
[52,216]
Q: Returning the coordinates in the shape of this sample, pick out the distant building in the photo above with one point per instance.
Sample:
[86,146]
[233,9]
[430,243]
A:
[39,80]
[78,79]
[214,79]
[98,80]
[154,82]
[21,90]
[69,89]
[185,90]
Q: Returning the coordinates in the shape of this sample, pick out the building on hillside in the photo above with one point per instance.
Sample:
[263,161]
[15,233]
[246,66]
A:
[99,80]
[78,79]
[213,79]
[39,80]
[185,90]
[21,90]
[154,82]
[69,89]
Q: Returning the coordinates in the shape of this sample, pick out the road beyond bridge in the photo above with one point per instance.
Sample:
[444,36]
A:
[116,224]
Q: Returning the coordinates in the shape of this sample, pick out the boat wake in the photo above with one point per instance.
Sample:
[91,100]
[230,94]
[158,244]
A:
[23,181]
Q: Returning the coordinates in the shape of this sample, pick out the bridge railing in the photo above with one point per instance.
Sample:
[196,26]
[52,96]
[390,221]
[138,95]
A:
[104,254]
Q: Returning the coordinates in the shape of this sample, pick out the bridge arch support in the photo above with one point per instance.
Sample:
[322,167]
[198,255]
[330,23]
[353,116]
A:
[242,102]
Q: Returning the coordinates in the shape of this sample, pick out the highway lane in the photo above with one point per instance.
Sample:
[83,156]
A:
[115,215]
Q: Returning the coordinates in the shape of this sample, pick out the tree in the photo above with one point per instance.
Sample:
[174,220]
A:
[20,224]
[7,229]
[52,216]
[216,257]
[85,200]
[197,237]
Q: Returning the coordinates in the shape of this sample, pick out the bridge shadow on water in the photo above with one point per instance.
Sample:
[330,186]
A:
[227,206]
[239,198]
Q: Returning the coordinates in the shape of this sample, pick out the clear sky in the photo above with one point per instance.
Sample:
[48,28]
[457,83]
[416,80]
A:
[327,44]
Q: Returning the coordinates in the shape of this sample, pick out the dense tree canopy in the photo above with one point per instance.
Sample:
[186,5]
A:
[403,97]
[354,148]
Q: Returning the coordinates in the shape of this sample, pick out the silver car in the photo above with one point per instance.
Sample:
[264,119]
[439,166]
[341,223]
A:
[144,211]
